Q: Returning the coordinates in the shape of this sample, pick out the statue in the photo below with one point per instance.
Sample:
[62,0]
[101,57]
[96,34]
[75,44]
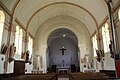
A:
[4,48]
[27,55]
[12,51]
[98,56]
[111,49]
[102,53]
[23,55]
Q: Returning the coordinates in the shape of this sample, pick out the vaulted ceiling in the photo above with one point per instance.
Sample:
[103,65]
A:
[33,13]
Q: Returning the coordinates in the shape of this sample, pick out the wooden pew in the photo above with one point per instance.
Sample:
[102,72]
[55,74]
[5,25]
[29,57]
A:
[32,77]
[88,76]
[110,73]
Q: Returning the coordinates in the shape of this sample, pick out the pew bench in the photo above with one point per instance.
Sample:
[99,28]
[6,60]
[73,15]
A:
[32,77]
[88,76]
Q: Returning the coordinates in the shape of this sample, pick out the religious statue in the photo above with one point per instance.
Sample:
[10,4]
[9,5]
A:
[12,51]
[98,56]
[27,55]
[102,53]
[23,55]
[30,60]
[111,49]
[4,48]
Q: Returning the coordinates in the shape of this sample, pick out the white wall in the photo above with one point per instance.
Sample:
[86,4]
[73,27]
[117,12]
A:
[108,63]
[2,63]
[28,67]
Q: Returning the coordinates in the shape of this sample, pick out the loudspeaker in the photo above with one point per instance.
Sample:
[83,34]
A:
[54,68]
[73,68]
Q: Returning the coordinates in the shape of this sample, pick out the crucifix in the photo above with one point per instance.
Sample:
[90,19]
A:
[63,49]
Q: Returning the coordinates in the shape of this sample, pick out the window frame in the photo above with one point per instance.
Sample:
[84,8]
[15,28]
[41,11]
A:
[2,21]
[18,39]
[95,45]
[106,37]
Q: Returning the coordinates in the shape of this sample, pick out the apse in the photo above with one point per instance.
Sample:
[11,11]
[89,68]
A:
[63,49]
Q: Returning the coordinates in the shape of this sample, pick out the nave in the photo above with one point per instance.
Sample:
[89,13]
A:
[59,39]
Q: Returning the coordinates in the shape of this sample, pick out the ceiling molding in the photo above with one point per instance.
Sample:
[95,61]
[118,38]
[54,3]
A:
[14,6]
[116,6]
[103,21]
[61,3]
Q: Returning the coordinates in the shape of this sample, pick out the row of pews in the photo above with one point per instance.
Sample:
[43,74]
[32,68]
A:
[88,76]
[50,76]
[55,76]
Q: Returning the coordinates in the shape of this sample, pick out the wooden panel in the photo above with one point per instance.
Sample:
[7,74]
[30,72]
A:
[19,67]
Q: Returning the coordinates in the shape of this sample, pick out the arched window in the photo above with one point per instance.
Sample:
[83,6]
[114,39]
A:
[95,46]
[2,19]
[18,40]
[30,46]
[106,37]
[119,14]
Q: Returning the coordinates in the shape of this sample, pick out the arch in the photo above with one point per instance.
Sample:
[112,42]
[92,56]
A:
[68,43]
[63,32]
[2,20]
[77,27]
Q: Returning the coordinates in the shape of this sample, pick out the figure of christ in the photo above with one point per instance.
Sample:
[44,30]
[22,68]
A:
[63,49]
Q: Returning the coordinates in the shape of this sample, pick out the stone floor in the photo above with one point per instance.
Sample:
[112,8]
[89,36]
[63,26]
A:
[63,78]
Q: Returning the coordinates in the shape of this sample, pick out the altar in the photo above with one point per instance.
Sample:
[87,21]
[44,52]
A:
[63,70]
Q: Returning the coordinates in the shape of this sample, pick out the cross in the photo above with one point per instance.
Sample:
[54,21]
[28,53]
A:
[63,49]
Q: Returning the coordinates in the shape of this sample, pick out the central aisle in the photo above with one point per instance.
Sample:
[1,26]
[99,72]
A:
[63,78]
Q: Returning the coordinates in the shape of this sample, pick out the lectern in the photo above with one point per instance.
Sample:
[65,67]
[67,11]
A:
[19,67]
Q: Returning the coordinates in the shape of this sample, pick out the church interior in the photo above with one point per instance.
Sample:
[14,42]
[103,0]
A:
[59,39]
